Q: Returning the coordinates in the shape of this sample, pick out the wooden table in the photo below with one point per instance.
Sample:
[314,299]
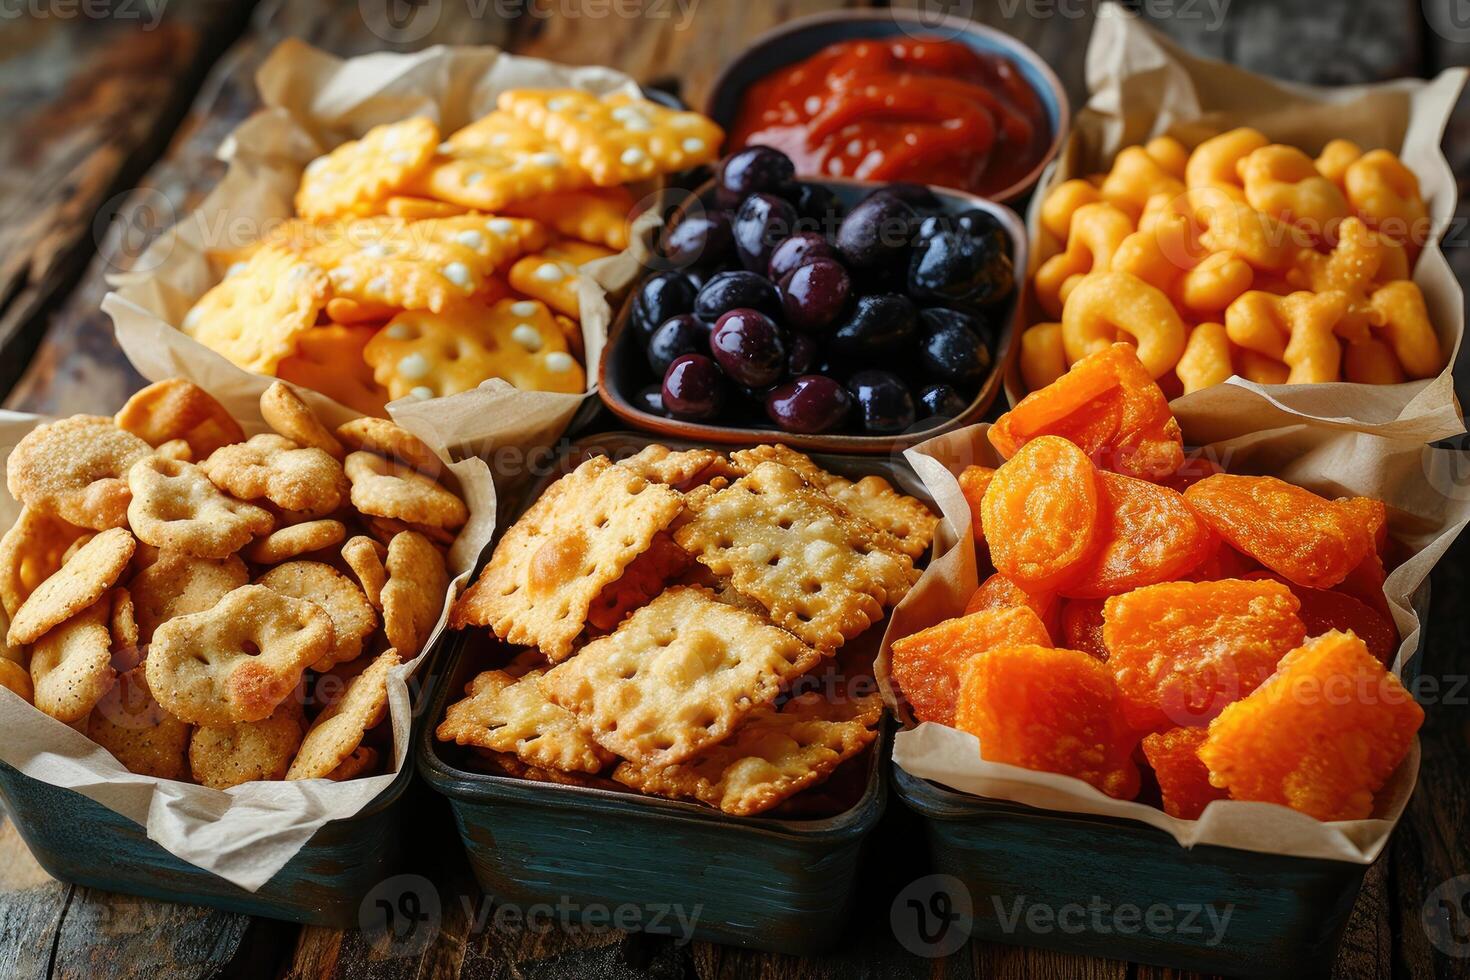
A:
[115,115]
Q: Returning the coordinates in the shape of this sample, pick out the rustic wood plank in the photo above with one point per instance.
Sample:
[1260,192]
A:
[32,905]
[105,935]
[88,103]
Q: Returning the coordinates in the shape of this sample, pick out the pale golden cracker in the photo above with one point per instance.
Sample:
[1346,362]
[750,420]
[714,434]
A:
[284,411]
[273,468]
[294,540]
[615,138]
[414,594]
[175,409]
[676,676]
[15,678]
[32,550]
[255,317]
[364,172]
[76,469]
[513,715]
[365,557]
[773,756]
[553,562]
[387,438]
[353,618]
[819,572]
[238,660]
[681,470]
[222,756]
[175,506]
[130,724]
[339,730]
[494,162]
[360,762]
[551,275]
[177,584]
[385,488]
[71,666]
[79,583]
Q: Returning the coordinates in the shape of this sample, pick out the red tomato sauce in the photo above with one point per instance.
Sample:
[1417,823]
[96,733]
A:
[909,109]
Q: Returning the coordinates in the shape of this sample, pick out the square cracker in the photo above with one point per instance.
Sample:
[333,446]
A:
[254,316]
[907,519]
[680,469]
[774,755]
[821,573]
[616,138]
[513,715]
[676,676]
[553,562]
[495,161]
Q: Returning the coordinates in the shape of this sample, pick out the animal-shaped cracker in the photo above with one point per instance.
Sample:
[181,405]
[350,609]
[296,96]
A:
[676,676]
[821,574]
[773,756]
[85,578]
[254,317]
[413,593]
[284,411]
[353,618]
[274,468]
[337,732]
[239,659]
[363,172]
[71,666]
[553,562]
[175,506]
[177,409]
[178,584]
[131,725]
[76,468]
[386,489]
[616,138]
[510,714]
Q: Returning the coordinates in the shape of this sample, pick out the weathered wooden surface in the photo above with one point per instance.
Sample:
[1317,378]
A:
[90,105]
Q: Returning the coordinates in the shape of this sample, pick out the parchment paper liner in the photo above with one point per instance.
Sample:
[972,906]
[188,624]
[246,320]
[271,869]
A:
[1429,504]
[313,102]
[1143,85]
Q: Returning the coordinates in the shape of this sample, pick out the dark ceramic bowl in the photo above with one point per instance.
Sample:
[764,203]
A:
[623,369]
[802,38]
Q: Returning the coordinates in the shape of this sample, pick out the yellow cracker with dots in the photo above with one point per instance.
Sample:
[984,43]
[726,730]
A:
[600,215]
[494,238]
[616,138]
[775,755]
[391,265]
[431,355]
[418,208]
[821,573]
[494,162]
[329,359]
[254,317]
[513,715]
[907,519]
[360,174]
[551,274]
[678,675]
[553,563]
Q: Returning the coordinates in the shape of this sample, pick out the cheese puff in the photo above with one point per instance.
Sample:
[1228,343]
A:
[1371,362]
[1403,321]
[1206,358]
[1313,352]
[1096,232]
[1171,155]
[1351,267]
[1062,203]
[1257,367]
[1106,303]
[1265,323]
[1335,158]
[1386,194]
[1231,226]
[1043,358]
[1135,178]
[1213,163]
[1283,182]
[1214,284]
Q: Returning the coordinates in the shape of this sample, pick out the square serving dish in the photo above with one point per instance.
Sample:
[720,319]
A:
[782,885]
[623,370]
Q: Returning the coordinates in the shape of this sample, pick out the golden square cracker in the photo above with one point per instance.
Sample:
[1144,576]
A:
[413,593]
[338,731]
[551,275]
[676,676]
[418,208]
[493,162]
[773,756]
[821,574]
[553,562]
[329,359]
[432,355]
[353,617]
[177,584]
[496,239]
[254,317]
[130,724]
[175,506]
[601,215]
[681,470]
[71,666]
[364,172]
[616,138]
[907,519]
[508,714]
[84,579]
[642,580]
[237,660]
[384,264]
[76,469]
[221,756]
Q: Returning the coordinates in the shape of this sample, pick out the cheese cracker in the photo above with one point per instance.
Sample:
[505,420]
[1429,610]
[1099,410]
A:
[600,215]
[819,572]
[493,162]
[551,274]
[130,724]
[385,264]
[615,138]
[329,360]
[254,317]
[338,731]
[513,715]
[676,676]
[361,173]
[553,562]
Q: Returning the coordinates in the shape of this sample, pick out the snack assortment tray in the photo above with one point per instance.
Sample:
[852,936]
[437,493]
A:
[82,842]
[776,884]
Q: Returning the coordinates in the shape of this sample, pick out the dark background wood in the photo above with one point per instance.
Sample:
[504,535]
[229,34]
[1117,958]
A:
[107,118]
